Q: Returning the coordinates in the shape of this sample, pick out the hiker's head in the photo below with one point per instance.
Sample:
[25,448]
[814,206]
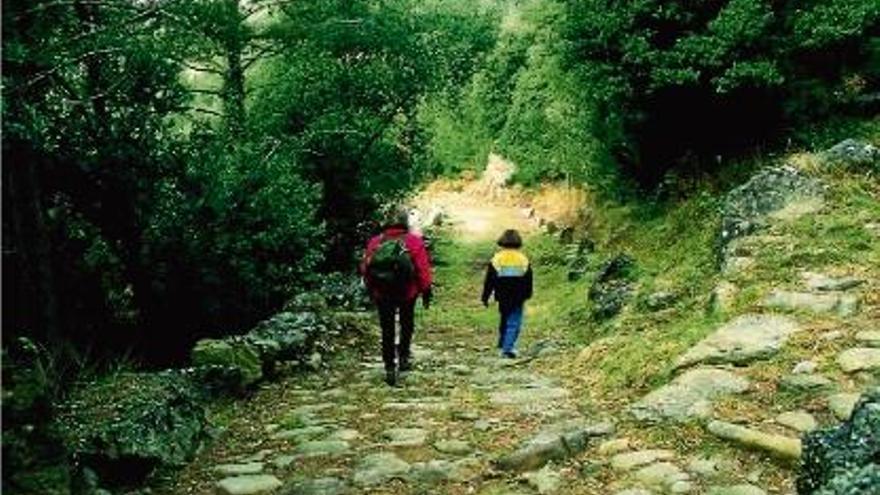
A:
[510,239]
[398,217]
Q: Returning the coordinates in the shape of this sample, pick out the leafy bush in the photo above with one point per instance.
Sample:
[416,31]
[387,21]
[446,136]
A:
[684,84]
[183,168]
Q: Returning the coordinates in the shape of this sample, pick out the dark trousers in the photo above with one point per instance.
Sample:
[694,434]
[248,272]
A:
[387,312]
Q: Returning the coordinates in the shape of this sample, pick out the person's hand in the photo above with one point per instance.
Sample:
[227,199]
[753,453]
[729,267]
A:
[426,298]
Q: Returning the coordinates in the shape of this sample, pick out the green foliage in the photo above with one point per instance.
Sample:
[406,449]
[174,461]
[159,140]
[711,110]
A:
[525,102]
[187,166]
[687,83]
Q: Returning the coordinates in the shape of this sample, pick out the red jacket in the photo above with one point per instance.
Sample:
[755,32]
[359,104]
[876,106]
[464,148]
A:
[421,261]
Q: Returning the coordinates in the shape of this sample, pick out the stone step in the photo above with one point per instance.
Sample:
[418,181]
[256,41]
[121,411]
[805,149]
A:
[779,446]
[555,443]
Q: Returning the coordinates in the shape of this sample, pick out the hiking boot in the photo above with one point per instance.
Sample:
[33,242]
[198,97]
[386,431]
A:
[510,354]
[405,366]
[391,378]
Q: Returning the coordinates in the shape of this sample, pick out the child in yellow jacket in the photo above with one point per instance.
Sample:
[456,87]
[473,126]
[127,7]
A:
[509,277]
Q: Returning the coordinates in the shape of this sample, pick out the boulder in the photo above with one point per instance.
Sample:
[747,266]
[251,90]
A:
[840,459]
[863,480]
[745,339]
[690,395]
[405,437]
[800,421]
[453,447]
[35,459]
[722,298]
[780,446]
[288,336]
[660,300]
[859,359]
[825,283]
[842,405]
[299,334]
[614,446]
[125,426]
[545,481]
[301,434]
[378,469]
[870,338]
[747,208]
[805,382]
[554,443]
[237,356]
[528,396]
[319,448]
[827,302]
[248,485]
[661,474]
[319,486]
[345,434]
[612,287]
[630,460]
[804,367]
[635,491]
[344,291]
[710,467]
[744,489]
[853,154]
[439,470]
[239,469]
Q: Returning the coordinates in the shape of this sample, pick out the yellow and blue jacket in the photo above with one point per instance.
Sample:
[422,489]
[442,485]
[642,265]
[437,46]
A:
[509,277]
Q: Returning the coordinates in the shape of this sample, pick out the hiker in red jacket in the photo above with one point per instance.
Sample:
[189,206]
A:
[396,269]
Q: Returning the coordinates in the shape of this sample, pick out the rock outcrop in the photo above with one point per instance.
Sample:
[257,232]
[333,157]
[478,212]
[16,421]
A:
[689,395]
[298,334]
[748,208]
[779,446]
[34,455]
[612,287]
[555,443]
[747,338]
[844,459]
[125,426]
[853,154]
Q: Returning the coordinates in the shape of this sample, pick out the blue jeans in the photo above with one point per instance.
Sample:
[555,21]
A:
[509,327]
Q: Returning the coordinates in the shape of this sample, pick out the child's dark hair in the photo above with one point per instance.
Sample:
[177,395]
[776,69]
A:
[510,239]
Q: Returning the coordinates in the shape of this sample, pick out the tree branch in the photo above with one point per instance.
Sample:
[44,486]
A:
[264,6]
[53,70]
[197,68]
[212,92]
[70,3]
[265,52]
[200,110]
[142,16]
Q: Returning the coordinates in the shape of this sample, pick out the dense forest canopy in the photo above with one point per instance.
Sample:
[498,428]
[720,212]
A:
[176,168]
[179,168]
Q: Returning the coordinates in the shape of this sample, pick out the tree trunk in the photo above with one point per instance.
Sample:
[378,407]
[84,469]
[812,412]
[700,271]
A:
[233,80]
[31,248]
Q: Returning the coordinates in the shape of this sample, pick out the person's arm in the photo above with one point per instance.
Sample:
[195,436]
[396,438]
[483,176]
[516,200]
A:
[489,284]
[422,263]
[368,253]
[528,282]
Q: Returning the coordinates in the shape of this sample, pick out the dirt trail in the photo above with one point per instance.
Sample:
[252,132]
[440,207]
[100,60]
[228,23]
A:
[461,409]
[478,210]
[474,222]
